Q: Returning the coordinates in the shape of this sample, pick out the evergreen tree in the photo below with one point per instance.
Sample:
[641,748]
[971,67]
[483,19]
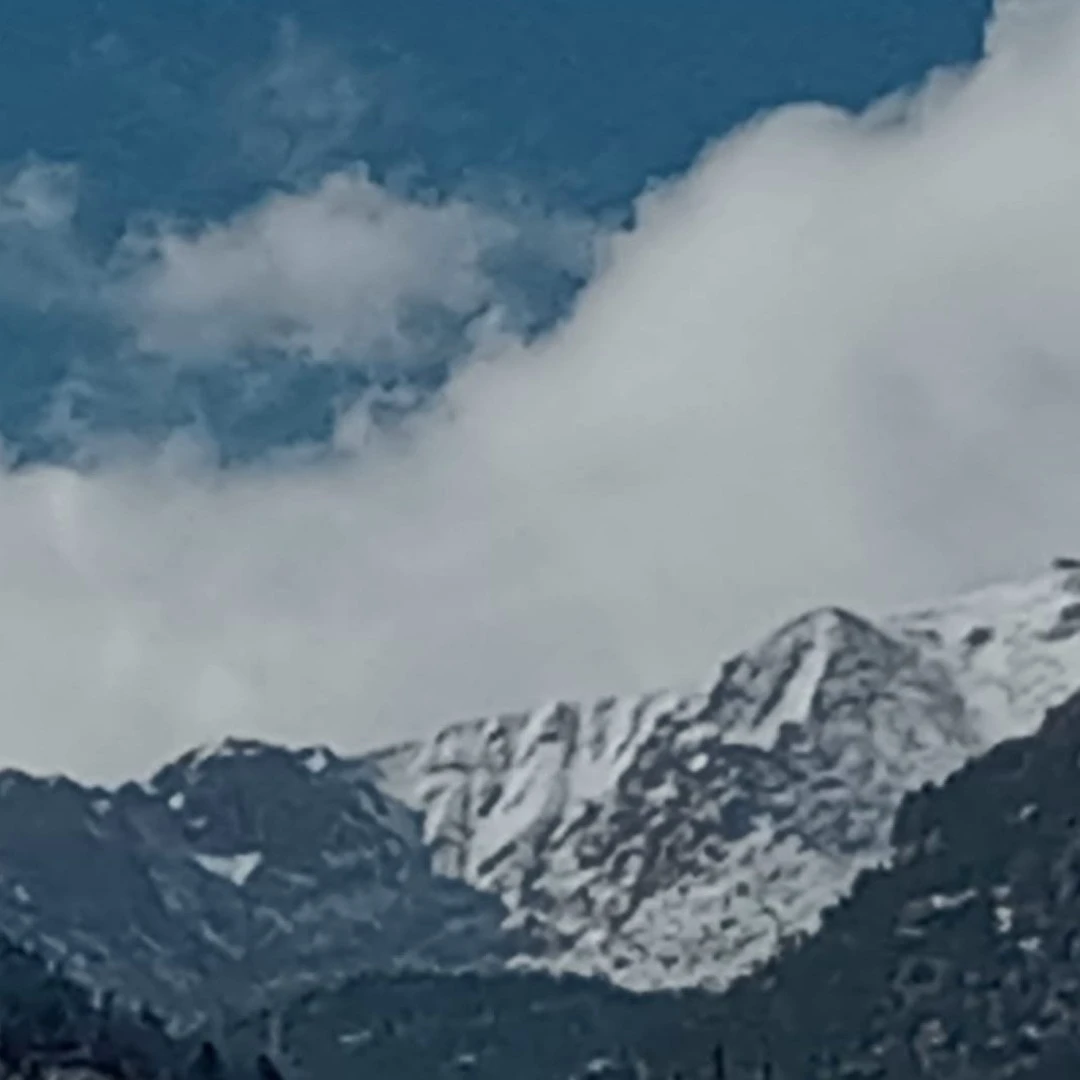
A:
[207,1064]
[719,1064]
[9,1057]
[266,1069]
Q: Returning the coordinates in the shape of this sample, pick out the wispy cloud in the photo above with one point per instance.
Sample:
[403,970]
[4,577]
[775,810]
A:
[38,195]
[836,363]
[303,104]
[39,260]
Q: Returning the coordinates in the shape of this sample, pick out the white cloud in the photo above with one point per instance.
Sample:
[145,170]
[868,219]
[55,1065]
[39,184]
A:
[329,273]
[838,362]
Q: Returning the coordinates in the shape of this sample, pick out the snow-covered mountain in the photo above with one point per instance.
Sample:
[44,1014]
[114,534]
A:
[675,840]
[669,840]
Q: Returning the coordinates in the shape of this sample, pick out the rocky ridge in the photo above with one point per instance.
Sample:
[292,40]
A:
[229,876]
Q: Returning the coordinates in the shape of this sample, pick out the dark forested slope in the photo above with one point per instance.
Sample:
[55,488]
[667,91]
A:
[51,1026]
[961,961]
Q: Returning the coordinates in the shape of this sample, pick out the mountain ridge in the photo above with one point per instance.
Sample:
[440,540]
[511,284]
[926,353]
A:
[849,713]
[239,876]
[663,841]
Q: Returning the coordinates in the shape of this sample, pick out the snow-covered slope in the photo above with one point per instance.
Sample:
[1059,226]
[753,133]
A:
[1012,649]
[675,840]
[662,841]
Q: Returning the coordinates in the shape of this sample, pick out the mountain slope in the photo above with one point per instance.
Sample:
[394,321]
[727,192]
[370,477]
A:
[668,841]
[529,1026]
[961,959]
[957,962]
[50,1027]
[234,875]
[675,840]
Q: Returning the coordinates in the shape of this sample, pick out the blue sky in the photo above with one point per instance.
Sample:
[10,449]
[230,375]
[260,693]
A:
[191,113]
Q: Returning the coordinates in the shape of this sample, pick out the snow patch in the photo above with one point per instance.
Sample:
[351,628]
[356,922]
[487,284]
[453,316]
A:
[316,761]
[234,868]
[951,901]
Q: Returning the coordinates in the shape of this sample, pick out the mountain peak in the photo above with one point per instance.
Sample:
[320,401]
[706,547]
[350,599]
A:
[211,755]
[670,840]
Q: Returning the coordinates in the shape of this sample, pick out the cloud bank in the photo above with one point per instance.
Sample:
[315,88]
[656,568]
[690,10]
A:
[839,362]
